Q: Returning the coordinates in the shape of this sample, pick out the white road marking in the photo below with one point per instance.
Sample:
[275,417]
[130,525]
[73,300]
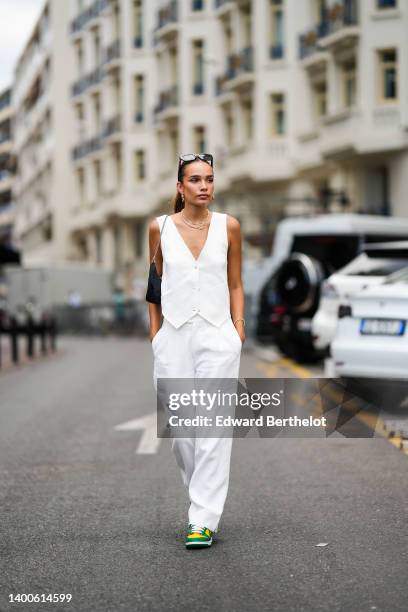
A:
[149,442]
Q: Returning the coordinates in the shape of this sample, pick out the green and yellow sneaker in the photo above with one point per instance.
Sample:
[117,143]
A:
[198,537]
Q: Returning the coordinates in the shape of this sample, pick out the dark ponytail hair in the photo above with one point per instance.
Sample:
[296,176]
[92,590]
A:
[178,203]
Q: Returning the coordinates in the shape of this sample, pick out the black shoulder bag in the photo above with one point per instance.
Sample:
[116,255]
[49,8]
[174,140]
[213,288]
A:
[153,293]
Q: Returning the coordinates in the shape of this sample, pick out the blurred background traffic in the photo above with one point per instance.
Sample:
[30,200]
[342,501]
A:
[303,105]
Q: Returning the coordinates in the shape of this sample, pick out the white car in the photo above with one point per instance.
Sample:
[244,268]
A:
[372,334]
[369,268]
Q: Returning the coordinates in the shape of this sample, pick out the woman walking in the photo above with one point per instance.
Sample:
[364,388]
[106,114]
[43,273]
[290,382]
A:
[198,255]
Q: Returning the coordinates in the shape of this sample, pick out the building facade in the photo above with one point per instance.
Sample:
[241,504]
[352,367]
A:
[7,167]
[303,103]
[43,133]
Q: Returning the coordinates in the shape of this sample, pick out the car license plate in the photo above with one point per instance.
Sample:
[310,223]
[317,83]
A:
[384,327]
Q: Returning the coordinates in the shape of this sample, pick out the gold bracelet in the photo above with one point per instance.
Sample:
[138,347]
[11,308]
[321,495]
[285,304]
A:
[239,320]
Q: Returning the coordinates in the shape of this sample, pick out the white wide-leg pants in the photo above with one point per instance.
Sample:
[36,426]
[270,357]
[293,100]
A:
[198,349]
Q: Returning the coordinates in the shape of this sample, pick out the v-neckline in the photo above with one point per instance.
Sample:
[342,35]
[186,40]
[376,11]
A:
[184,242]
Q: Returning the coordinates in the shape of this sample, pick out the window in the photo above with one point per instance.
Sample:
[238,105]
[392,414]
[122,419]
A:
[198,67]
[277,25]
[97,47]
[98,245]
[140,166]
[320,98]
[98,178]
[80,120]
[97,112]
[139,98]
[388,74]
[116,15]
[116,245]
[320,10]
[386,4]
[117,159]
[246,32]
[246,106]
[81,185]
[138,238]
[229,125]
[377,191]
[278,114]
[138,24]
[80,58]
[199,139]
[197,5]
[349,84]
[174,145]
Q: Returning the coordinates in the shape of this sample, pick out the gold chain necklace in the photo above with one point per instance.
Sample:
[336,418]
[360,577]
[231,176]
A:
[200,225]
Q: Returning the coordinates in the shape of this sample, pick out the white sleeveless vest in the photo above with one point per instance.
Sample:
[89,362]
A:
[191,286]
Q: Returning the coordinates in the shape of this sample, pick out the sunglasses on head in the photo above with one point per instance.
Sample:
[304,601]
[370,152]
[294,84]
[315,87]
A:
[189,157]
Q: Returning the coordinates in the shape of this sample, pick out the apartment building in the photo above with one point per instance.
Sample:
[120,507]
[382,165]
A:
[7,168]
[43,133]
[114,143]
[353,57]
[303,103]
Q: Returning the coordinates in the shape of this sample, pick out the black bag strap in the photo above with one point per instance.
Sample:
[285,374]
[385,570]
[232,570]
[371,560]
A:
[153,260]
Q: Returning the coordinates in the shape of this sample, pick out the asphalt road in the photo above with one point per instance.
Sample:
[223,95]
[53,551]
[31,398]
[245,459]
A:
[82,512]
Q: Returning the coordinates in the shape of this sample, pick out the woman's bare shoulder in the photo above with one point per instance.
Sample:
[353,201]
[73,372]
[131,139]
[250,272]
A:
[233,224]
[154,226]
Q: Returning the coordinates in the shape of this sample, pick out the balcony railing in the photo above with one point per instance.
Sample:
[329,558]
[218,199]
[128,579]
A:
[86,147]
[308,42]
[5,100]
[167,14]
[92,78]
[339,16]
[112,126]
[167,99]
[219,82]
[112,52]
[342,15]
[88,14]
[237,63]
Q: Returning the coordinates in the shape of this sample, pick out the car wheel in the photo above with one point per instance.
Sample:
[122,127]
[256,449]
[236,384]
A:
[298,282]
